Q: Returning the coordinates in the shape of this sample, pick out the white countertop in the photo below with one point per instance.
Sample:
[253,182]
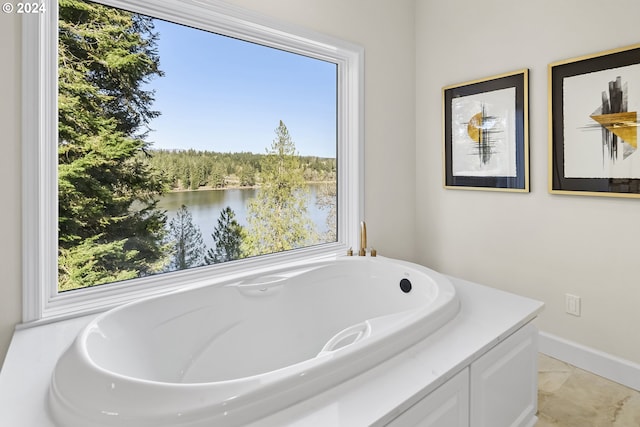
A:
[487,316]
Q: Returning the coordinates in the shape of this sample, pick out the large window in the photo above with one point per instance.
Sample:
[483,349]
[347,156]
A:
[171,143]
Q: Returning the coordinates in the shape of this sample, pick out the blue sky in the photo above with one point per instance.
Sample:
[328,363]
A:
[225,95]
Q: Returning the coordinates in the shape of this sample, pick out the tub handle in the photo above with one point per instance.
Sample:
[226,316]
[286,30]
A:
[346,337]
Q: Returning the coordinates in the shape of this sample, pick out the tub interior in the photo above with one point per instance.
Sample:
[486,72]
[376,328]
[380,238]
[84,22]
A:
[261,324]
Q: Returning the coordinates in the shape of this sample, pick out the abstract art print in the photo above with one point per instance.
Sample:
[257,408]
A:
[593,124]
[486,133]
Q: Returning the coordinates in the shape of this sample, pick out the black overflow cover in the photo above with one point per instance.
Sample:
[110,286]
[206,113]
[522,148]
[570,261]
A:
[405,285]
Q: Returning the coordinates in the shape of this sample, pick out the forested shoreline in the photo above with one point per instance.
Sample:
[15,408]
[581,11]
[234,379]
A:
[195,169]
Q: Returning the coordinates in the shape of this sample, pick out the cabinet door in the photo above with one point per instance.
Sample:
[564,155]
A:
[504,382]
[447,406]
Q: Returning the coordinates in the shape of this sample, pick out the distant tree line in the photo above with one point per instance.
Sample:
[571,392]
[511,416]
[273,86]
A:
[278,218]
[192,169]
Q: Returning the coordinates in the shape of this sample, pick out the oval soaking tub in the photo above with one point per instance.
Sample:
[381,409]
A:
[231,354]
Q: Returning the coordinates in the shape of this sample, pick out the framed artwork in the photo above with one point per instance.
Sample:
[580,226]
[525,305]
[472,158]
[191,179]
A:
[593,124]
[486,133]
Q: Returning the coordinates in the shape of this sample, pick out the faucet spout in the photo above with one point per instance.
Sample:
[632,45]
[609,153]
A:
[363,239]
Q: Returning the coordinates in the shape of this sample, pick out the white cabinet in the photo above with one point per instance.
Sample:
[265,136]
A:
[447,406]
[504,382]
[498,389]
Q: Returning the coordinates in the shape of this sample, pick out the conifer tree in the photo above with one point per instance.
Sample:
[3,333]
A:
[186,240]
[227,237]
[278,218]
[108,228]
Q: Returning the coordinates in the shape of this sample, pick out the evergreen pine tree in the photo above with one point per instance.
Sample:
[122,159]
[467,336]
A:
[186,239]
[277,218]
[109,228]
[227,237]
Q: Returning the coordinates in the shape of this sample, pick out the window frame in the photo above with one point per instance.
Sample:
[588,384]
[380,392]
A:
[41,301]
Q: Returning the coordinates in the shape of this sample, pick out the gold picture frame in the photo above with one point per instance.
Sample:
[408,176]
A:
[486,133]
[593,124]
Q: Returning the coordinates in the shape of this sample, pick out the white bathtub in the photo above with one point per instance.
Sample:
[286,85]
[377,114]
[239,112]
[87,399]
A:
[230,354]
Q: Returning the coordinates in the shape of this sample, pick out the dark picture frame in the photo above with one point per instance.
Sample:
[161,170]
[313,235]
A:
[486,133]
[593,124]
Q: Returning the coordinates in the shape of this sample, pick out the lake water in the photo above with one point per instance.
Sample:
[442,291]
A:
[205,207]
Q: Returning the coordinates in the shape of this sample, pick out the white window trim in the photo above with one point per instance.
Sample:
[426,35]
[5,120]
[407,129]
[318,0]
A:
[41,301]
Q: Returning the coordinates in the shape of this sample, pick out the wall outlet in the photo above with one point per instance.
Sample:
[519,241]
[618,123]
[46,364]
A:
[572,304]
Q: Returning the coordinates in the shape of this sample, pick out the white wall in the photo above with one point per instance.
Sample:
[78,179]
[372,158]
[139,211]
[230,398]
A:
[10,158]
[536,244]
[384,28]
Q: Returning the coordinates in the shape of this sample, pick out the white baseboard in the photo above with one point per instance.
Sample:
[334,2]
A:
[598,362]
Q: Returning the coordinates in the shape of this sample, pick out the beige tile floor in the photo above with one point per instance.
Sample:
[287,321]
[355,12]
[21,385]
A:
[571,397]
